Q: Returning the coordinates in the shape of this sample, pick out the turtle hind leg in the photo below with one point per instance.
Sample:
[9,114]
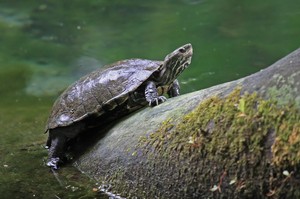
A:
[58,144]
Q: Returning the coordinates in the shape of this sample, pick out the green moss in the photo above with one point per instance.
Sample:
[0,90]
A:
[240,145]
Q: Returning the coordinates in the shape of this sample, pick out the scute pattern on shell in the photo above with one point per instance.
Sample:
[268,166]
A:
[101,90]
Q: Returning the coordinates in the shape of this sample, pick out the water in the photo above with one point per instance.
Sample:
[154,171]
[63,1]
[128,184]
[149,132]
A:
[46,45]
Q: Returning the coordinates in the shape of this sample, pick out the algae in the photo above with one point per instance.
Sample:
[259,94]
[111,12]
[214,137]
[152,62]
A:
[285,89]
[240,146]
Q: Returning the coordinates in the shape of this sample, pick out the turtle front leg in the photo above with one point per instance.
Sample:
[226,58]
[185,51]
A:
[173,90]
[152,96]
[57,149]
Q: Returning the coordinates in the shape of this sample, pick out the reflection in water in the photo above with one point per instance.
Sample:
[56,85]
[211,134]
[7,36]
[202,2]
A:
[50,83]
[193,2]
[12,18]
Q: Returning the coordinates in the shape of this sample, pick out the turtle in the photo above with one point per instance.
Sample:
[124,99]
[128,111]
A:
[109,93]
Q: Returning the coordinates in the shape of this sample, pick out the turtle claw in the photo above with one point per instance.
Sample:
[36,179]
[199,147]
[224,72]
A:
[53,163]
[158,100]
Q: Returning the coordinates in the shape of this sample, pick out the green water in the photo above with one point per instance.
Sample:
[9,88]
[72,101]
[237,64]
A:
[46,45]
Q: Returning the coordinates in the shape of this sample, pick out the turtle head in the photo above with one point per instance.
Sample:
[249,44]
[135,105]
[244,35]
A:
[175,63]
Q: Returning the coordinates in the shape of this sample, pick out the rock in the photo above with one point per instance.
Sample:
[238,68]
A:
[151,154]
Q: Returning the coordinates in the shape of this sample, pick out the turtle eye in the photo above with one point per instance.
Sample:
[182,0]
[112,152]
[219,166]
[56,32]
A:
[182,50]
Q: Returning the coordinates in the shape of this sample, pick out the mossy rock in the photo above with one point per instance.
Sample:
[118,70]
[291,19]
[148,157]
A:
[236,140]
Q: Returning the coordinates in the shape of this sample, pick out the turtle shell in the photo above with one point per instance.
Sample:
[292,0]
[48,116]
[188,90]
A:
[100,91]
